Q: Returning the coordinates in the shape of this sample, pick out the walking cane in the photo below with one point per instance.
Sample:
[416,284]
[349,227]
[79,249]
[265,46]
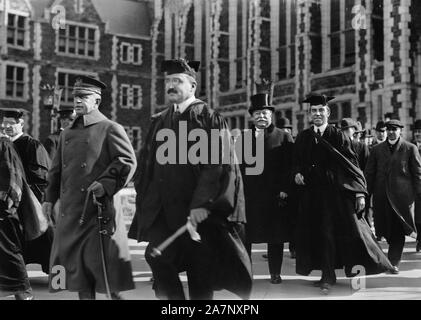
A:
[102,233]
[187,227]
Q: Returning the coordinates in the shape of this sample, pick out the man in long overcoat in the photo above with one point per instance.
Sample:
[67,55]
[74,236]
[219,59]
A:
[393,175]
[169,192]
[329,235]
[36,163]
[417,142]
[267,220]
[94,158]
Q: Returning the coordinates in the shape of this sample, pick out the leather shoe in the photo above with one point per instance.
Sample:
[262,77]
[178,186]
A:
[325,287]
[395,270]
[320,282]
[418,247]
[24,296]
[275,279]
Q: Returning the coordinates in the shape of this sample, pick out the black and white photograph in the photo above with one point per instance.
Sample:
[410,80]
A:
[231,152]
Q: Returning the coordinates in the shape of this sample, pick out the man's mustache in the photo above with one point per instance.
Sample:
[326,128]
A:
[172,91]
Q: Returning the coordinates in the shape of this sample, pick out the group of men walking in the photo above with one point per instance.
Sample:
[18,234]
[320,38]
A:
[199,213]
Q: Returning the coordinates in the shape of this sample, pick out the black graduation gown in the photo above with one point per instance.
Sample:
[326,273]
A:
[36,163]
[327,206]
[13,275]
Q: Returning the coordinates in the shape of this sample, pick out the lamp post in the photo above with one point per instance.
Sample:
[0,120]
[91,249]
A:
[51,97]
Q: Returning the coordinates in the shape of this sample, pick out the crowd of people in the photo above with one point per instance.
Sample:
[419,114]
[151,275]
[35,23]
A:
[332,193]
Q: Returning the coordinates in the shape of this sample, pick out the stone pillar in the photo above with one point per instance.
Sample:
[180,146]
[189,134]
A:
[303,58]
[397,61]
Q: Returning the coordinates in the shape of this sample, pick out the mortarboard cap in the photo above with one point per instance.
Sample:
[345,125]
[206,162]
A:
[260,101]
[394,123]
[88,84]
[11,113]
[180,66]
[318,99]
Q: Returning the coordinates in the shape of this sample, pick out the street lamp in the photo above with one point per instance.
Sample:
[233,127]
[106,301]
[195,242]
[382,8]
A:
[51,97]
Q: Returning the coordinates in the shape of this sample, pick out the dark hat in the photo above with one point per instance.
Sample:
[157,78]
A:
[394,123]
[417,124]
[90,85]
[260,101]
[180,66]
[318,99]
[381,126]
[283,123]
[348,123]
[367,133]
[65,111]
[11,113]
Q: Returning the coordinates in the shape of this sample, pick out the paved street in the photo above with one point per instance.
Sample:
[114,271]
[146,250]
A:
[405,285]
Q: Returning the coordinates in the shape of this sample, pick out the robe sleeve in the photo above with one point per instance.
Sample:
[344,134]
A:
[52,192]
[415,167]
[123,161]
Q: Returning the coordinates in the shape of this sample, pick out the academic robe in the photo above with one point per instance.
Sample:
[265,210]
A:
[327,206]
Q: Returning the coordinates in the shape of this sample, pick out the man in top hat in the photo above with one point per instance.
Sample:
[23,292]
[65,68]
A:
[94,160]
[332,193]
[36,163]
[349,127]
[171,194]
[417,142]
[266,219]
[65,118]
[381,134]
[393,175]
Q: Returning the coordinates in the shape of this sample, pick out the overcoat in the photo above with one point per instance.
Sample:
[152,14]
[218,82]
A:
[395,182]
[267,220]
[418,202]
[51,144]
[96,149]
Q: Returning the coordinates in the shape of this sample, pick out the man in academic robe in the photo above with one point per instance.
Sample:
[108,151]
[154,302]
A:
[393,175]
[172,192]
[329,235]
[36,163]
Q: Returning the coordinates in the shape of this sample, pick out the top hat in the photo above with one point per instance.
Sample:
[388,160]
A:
[381,126]
[260,101]
[417,124]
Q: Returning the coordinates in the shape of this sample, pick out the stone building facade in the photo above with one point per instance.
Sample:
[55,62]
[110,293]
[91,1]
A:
[367,53]
[50,42]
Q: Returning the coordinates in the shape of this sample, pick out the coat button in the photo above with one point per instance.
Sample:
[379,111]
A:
[64,165]
[82,189]
[66,142]
[83,165]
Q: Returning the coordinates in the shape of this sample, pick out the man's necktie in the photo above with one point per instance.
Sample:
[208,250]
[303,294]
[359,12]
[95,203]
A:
[319,133]
[177,113]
